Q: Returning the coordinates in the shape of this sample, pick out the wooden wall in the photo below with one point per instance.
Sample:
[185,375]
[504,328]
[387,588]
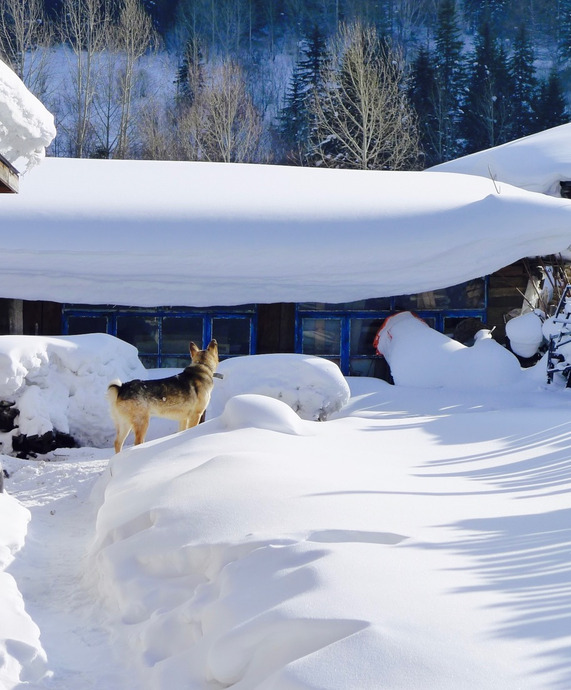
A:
[503,295]
[36,318]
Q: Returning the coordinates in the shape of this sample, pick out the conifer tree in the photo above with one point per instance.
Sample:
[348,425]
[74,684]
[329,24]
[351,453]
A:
[450,79]
[551,109]
[190,77]
[565,29]
[294,117]
[524,85]
[422,92]
[486,115]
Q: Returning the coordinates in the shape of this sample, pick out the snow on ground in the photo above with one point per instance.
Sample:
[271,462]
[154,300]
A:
[26,127]
[419,538]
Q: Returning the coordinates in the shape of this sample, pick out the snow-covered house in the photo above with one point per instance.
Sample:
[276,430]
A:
[268,258]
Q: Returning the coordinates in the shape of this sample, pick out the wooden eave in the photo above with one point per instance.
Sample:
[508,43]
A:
[9,178]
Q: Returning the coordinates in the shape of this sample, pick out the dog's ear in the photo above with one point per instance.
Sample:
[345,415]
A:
[212,345]
[194,350]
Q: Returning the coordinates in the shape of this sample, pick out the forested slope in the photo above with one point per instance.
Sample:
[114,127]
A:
[383,84]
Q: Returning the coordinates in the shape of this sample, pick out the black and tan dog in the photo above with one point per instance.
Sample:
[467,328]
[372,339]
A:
[183,397]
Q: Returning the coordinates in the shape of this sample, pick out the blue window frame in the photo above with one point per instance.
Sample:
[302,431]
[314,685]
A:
[162,335]
[344,333]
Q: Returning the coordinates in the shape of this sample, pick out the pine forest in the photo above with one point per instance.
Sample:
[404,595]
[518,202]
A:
[366,84]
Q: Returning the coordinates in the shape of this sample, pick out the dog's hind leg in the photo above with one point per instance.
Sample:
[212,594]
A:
[140,427]
[123,430]
[193,419]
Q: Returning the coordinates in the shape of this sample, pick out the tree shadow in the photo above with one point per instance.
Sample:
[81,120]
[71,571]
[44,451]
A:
[526,558]
[528,455]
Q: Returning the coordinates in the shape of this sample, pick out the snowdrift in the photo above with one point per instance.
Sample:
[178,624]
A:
[422,357]
[313,387]
[417,539]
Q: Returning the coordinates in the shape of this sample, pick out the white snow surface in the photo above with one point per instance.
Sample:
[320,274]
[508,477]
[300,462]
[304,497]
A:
[419,538]
[149,233]
[324,390]
[26,126]
[538,162]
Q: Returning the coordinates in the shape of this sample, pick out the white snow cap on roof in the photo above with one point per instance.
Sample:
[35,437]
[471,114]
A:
[149,233]
[26,126]
[537,163]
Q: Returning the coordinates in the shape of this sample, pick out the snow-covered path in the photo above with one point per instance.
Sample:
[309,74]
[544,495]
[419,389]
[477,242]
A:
[51,575]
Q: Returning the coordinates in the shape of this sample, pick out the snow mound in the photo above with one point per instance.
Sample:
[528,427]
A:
[420,356]
[313,387]
[26,127]
[60,383]
[525,334]
[22,659]
[260,412]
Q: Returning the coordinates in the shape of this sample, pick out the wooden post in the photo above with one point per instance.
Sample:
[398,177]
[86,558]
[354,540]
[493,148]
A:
[16,317]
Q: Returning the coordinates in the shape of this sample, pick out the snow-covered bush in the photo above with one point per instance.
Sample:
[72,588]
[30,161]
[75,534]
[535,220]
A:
[525,334]
[311,386]
[420,356]
[60,383]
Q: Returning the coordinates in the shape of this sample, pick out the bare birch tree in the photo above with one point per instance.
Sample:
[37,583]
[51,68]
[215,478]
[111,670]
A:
[25,36]
[134,37]
[85,30]
[222,124]
[362,118]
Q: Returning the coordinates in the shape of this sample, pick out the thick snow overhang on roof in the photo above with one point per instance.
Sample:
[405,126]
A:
[537,163]
[149,233]
[26,126]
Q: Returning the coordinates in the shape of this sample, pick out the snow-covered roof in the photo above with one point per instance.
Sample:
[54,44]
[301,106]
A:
[26,126]
[149,233]
[537,163]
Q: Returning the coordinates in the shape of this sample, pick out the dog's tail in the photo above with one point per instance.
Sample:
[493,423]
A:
[113,390]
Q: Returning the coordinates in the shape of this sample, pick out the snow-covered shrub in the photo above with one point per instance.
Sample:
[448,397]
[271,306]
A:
[420,356]
[59,383]
[311,386]
[525,334]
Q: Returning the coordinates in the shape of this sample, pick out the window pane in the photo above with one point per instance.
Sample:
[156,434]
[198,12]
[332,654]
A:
[462,329]
[175,362]
[178,332]
[470,295]
[377,304]
[376,367]
[321,336]
[233,335]
[149,362]
[363,332]
[140,331]
[77,325]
